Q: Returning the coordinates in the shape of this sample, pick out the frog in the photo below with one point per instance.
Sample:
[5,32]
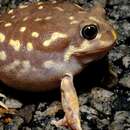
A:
[44,45]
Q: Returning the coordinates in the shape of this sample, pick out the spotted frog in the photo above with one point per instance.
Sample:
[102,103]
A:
[44,45]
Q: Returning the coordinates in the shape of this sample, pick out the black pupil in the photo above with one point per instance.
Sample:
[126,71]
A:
[89,31]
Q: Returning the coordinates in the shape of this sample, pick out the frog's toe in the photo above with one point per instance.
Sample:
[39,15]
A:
[65,122]
[59,123]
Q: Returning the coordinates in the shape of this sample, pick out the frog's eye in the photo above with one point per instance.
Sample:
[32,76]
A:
[89,32]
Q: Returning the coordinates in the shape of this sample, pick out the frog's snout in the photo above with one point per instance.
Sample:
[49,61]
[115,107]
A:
[113,38]
[114,34]
[108,38]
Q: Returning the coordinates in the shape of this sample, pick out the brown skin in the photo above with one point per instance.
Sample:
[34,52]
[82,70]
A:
[42,67]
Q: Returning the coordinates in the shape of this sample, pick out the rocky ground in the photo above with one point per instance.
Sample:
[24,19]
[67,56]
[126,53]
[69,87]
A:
[104,92]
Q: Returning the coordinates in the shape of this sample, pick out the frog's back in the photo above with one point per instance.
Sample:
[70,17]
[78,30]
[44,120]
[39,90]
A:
[41,42]
[32,37]
[35,23]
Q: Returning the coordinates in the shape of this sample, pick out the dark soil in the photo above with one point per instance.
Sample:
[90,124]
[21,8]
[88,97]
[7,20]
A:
[103,88]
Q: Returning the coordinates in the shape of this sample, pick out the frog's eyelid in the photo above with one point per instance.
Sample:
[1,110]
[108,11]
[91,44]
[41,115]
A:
[81,32]
[97,21]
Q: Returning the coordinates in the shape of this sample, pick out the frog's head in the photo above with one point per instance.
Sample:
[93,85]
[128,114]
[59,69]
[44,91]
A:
[97,37]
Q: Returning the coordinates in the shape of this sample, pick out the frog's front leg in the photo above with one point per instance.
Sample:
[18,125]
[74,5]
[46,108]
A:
[70,104]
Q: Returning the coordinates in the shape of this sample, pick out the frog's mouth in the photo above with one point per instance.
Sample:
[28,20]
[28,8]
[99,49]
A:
[84,51]
[97,52]
[87,57]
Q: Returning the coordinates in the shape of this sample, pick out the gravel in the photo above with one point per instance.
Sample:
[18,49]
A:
[101,107]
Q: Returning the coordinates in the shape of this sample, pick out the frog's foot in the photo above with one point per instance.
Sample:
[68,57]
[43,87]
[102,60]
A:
[59,123]
[65,122]
[70,105]
[1,103]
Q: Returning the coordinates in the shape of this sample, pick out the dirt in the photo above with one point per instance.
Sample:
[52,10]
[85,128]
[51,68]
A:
[104,92]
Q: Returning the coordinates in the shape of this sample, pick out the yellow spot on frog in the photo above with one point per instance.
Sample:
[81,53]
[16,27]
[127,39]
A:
[29,46]
[8,24]
[69,52]
[71,18]
[23,6]
[48,18]
[22,29]
[94,19]
[35,34]
[38,19]
[3,55]
[74,22]
[15,44]
[59,8]
[54,1]
[10,11]
[25,18]
[76,50]
[39,3]
[2,37]
[54,37]
[40,7]
[12,17]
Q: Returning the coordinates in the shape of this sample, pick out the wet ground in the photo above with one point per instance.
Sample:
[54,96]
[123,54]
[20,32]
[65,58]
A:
[103,88]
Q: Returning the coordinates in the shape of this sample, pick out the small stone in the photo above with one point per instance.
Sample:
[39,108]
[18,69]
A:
[101,100]
[84,98]
[14,124]
[118,52]
[27,112]
[88,110]
[13,103]
[102,123]
[1,127]
[26,128]
[126,61]
[85,126]
[121,121]
[125,81]
[41,106]
[53,109]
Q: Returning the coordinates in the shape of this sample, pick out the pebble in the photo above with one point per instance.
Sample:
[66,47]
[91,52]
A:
[95,106]
[125,81]
[14,124]
[13,103]
[101,100]
[27,112]
[121,121]
[126,61]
